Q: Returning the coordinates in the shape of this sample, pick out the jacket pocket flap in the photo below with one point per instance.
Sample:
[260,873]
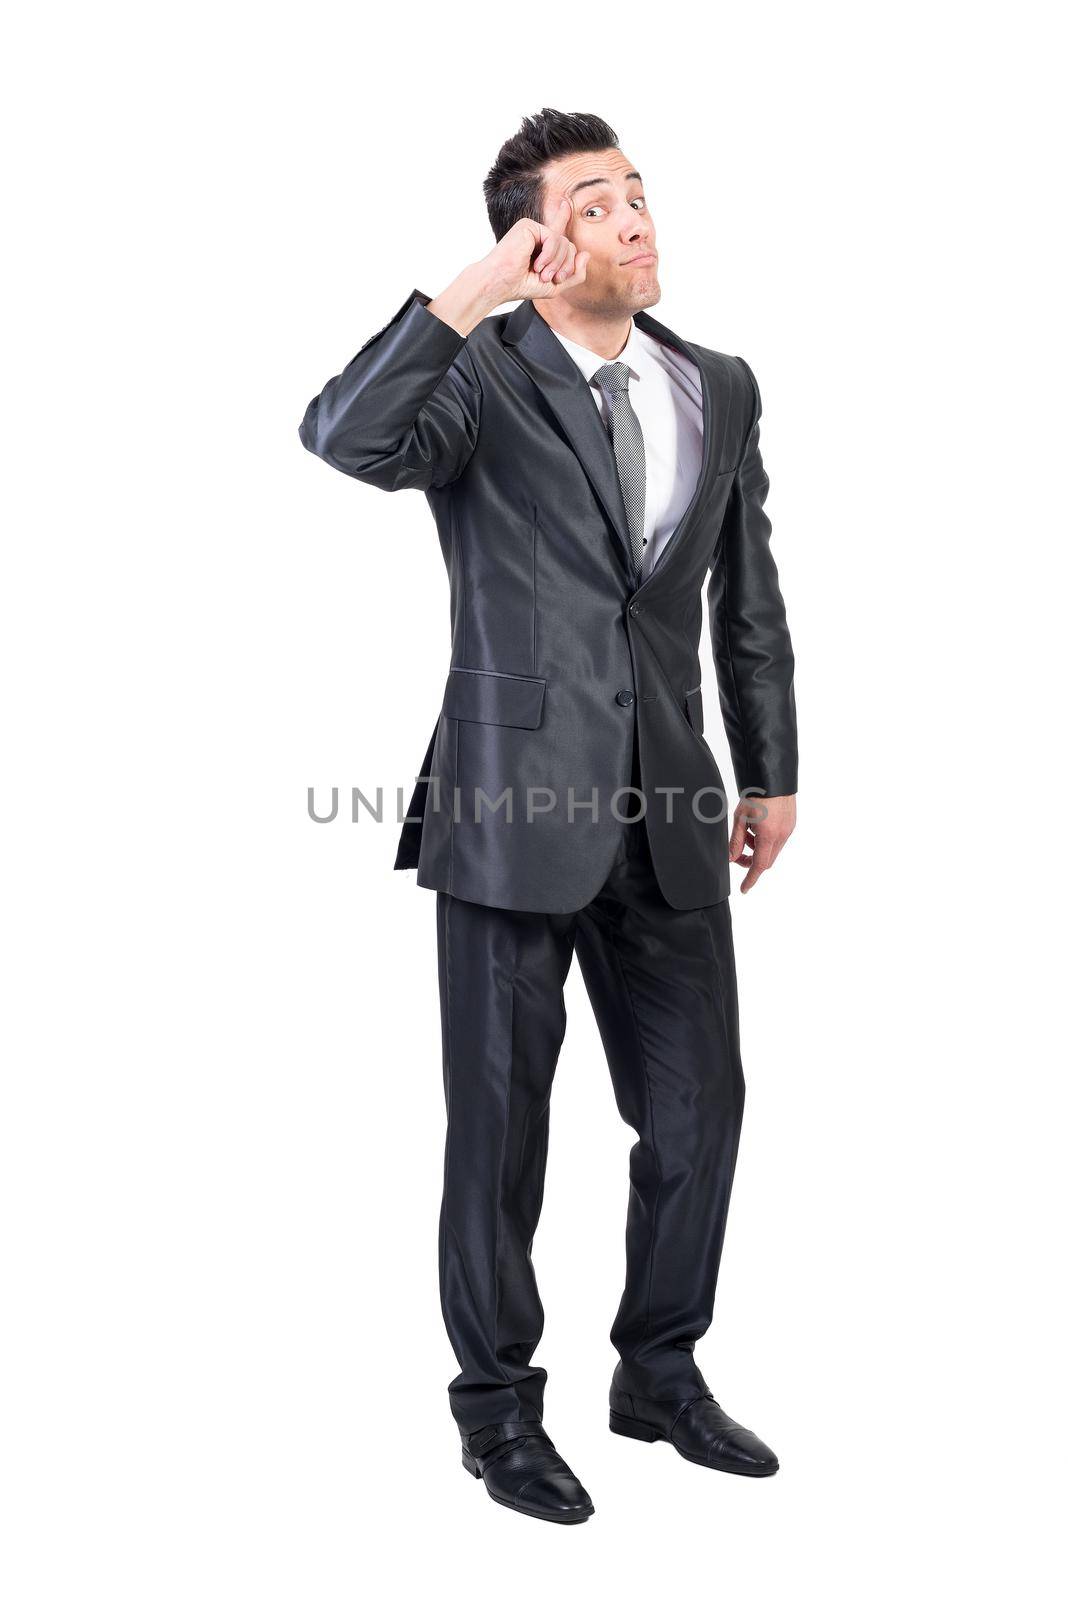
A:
[494,697]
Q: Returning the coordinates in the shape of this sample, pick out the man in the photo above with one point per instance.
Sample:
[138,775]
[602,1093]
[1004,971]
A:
[587,469]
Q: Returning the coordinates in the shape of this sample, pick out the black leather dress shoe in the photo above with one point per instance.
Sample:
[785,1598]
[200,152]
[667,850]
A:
[699,1429]
[522,1470]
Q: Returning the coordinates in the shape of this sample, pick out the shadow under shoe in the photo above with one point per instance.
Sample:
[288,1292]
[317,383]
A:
[698,1427]
[522,1470]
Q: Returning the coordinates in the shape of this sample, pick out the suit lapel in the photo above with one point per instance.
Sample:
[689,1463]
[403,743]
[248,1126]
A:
[541,354]
[657,330]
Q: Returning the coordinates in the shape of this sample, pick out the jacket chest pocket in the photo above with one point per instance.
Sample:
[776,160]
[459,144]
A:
[695,713]
[497,697]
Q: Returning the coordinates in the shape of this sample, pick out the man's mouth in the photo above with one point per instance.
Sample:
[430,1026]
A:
[642,260]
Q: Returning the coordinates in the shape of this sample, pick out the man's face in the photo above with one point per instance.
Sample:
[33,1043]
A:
[611,220]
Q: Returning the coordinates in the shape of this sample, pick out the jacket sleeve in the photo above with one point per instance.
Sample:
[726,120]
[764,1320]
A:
[750,640]
[404,413]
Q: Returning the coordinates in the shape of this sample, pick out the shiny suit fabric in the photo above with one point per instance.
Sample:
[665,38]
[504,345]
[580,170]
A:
[567,666]
[561,656]
[662,986]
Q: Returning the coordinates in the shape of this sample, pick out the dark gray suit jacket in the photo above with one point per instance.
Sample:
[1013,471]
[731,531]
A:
[560,657]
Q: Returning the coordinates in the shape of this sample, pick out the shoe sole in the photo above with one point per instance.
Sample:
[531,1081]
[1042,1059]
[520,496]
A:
[565,1518]
[631,1428]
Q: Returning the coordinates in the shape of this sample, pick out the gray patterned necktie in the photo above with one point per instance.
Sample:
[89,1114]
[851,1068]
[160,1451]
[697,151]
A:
[629,446]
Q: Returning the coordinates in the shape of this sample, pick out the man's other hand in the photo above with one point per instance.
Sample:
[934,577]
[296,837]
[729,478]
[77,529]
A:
[761,827]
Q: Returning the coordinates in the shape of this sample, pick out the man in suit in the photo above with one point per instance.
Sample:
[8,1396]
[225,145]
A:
[587,469]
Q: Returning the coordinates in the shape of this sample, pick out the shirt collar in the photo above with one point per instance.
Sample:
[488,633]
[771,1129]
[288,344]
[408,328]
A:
[589,362]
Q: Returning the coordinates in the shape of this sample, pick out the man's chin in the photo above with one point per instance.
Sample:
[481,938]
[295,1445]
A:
[645,291]
[620,298]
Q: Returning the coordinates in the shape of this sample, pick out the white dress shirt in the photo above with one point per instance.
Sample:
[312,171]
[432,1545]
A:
[665,391]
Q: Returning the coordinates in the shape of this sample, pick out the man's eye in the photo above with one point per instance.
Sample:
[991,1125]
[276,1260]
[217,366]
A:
[591,209]
[638,202]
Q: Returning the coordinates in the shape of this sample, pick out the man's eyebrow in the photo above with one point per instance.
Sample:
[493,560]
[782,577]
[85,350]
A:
[592,182]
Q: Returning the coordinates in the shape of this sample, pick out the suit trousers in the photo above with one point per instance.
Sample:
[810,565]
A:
[662,985]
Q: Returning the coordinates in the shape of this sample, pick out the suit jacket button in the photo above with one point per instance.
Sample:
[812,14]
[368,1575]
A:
[635,608]
[624,698]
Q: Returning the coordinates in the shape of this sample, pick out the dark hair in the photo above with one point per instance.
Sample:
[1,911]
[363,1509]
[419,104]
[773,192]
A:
[513,184]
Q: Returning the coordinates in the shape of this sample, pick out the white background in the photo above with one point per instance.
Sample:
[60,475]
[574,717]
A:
[224,1365]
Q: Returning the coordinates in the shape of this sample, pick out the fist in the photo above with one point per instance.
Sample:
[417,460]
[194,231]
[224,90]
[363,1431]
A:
[535,262]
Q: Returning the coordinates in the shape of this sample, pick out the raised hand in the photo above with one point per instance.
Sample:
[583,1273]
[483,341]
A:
[534,261]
